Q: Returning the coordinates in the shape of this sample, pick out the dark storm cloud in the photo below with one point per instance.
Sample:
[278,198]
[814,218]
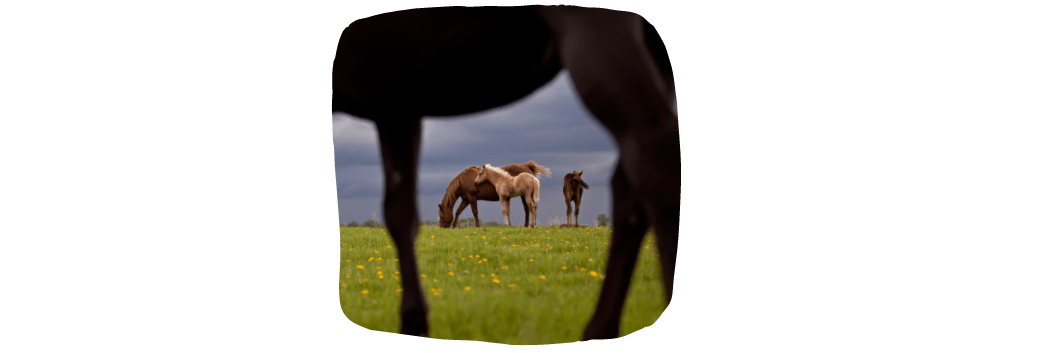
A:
[550,127]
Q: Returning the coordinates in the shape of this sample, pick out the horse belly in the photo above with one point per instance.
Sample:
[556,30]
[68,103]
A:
[443,61]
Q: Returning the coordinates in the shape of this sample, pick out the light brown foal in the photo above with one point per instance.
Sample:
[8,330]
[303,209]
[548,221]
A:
[508,186]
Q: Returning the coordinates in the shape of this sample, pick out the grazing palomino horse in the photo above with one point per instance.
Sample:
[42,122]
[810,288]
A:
[572,188]
[464,187]
[508,186]
[397,67]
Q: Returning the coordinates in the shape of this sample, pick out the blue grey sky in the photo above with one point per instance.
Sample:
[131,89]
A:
[550,127]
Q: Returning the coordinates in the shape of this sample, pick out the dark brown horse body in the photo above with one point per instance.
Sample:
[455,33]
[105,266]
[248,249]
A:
[462,187]
[573,186]
[398,67]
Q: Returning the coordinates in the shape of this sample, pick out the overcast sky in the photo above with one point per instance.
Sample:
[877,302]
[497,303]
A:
[550,127]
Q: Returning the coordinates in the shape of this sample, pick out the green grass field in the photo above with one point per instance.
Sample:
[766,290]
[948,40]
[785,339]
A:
[500,284]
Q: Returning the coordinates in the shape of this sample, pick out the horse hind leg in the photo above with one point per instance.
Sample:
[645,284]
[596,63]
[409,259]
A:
[568,211]
[577,211]
[400,143]
[629,226]
[526,212]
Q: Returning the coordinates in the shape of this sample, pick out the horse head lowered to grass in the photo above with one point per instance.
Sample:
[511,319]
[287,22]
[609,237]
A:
[398,67]
[464,187]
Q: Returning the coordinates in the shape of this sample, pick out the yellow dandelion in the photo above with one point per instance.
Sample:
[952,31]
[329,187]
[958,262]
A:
[348,276]
[350,249]
[582,269]
[370,259]
[380,276]
[484,238]
[347,260]
[399,290]
[379,259]
[470,256]
[379,272]
[484,259]
[468,288]
[344,244]
[590,260]
[359,266]
[388,246]
[450,273]
[365,291]
[542,276]
[375,251]
[564,267]
[434,280]
[593,273]
[463,259]
[482,275]
[379,267]
[364,279]
[531,260]
[497,280]
[344,285]
[493,275]
[450,264]
[424,276]
[512,286]
[397,260]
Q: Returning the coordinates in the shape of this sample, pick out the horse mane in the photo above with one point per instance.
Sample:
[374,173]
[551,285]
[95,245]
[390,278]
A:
[538,170]
[452,192]
[500,171]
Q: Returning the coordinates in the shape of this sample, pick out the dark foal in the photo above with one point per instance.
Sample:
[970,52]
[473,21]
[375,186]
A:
[462,187]
[573,187]
[397,67]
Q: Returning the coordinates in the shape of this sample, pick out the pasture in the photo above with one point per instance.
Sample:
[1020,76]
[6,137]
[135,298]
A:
[509,285]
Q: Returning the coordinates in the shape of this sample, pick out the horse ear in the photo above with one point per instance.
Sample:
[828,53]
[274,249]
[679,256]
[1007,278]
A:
[579,173]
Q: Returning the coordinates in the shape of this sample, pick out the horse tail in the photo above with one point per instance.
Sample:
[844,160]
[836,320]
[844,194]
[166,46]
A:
[538,170]
[583,183]
[537,189]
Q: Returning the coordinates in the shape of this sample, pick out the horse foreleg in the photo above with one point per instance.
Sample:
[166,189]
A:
[506,211]
[400,142]
[629,226]
[464,202]
[475,211]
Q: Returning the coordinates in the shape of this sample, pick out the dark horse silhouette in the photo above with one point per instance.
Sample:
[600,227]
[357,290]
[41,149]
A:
[397,67]
[463,187]
[572,189]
